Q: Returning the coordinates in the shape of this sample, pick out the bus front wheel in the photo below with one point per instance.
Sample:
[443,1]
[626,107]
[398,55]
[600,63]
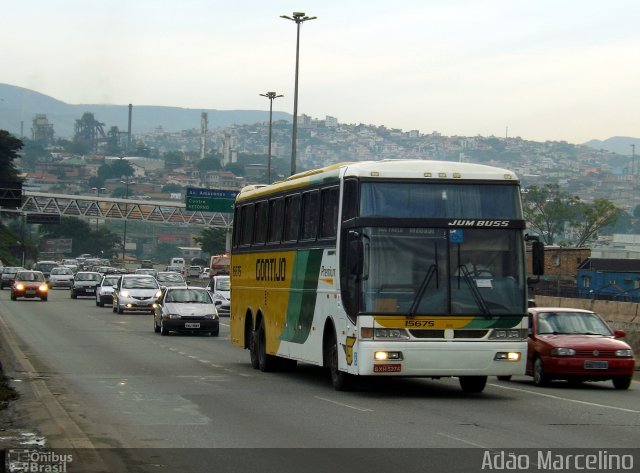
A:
[473,384]
[340,380]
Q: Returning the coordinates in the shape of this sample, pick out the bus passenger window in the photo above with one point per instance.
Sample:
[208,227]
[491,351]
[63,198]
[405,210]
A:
[276,217]
[291,218]
[329,213]
[310,215]
[261,222]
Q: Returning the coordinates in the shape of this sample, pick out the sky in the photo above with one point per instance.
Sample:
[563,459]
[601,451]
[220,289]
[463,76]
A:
[541,70]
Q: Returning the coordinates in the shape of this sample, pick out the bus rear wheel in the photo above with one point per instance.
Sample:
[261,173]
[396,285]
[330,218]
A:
[473,384]
[266,362]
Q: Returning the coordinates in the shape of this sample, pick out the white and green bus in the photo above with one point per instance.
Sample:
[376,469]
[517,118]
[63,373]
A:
[383,268]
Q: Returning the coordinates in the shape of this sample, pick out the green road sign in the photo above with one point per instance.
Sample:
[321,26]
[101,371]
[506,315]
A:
[205,204]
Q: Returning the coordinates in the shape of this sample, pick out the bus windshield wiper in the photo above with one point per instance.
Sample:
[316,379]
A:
[433,269]
[462,269]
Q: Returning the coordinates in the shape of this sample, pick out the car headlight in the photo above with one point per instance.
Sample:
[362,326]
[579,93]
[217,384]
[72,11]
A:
[19,287]
[124,293]
[563,352]
[43,288]
[625,353]
[391,333]
[211,316]
[172,316]
[158,294]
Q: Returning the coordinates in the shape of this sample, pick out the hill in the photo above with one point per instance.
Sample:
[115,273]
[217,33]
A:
[616,144]
[18,107]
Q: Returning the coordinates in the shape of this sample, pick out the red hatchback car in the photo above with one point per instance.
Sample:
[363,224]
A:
[29,284]
[576,345]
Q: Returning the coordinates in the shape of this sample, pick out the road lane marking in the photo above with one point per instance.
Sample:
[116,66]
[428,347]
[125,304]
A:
[551,396]
[361,409]
[462,440]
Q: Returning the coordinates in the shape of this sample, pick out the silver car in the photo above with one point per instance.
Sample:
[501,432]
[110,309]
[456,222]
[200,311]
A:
[60,276]
[135,292]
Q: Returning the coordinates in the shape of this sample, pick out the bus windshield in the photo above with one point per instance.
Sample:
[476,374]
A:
[436,271]
[420,200]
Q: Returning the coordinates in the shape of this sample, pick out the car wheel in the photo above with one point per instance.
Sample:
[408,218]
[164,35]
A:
[13,297]
[156,329]
[214,333]
[120,310]
[163,330]
[622,382]
[266,362]
[504,378]
[44,299]
[340,380]
[473,384]
[539,377]
[74,295]
[99,303]
[114,308]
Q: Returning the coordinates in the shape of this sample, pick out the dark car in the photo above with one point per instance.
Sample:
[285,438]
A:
[85,283]
[576,345]
[29,284]
[8,274]
[186,309]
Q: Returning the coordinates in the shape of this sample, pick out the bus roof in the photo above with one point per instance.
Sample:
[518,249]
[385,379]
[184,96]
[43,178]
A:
[386,168]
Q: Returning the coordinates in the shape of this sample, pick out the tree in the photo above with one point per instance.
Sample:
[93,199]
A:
[173,159]
[547,209]
[9,147]
[165,251]
[212,240]
[590,218]
[101,242]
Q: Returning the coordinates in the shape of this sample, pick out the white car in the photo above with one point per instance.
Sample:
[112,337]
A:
[220,289]
[104,292]
[60,277]
[205,274]
[193,271]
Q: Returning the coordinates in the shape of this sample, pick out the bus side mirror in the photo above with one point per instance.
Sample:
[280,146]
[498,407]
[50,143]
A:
[537,258]
[356,254]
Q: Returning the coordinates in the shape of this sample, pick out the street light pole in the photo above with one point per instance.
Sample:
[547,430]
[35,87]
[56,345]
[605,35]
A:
[298,17]
[98,189]
[270,96]
[124,236]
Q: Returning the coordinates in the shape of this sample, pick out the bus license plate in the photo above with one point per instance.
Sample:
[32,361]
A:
[395,368]
[191,325]
[596,365]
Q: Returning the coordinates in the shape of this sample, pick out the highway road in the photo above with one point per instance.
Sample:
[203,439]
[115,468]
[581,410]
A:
[92,378]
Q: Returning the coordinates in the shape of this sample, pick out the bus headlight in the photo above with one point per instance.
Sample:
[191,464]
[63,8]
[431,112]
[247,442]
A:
[507,356]
[387,355]
[508,334]
[390,333]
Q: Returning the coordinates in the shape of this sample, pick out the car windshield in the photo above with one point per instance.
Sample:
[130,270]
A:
[223,284]
[188,296]
[110,281]
[64,271]
[37,277]
[583,323]
[88,277]
[139,283]
[171,277]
